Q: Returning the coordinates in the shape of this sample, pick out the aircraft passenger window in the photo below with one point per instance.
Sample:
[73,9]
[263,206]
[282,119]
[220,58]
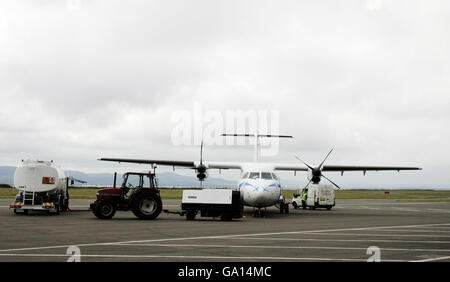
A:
[245,175]
[266,175]
[254,175]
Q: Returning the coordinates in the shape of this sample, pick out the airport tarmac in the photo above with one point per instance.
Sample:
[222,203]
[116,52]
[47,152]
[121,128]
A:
[402,231]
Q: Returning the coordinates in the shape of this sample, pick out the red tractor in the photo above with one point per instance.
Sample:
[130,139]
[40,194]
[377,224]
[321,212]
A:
[138,193]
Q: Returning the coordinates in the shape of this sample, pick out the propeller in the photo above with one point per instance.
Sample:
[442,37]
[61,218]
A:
[201,168]
[316,171]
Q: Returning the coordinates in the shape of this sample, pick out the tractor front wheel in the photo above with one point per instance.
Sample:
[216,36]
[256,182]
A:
[104,210]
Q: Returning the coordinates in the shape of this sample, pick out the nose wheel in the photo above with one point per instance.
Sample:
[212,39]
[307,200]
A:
[284,208]
[259,212]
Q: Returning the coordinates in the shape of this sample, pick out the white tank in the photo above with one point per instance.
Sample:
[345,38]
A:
[39,176]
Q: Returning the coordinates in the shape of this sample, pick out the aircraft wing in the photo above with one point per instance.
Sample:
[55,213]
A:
[290,167]
[186,164]
[224,165]
[189,164]
[366,168]
[240,165]
[301,167]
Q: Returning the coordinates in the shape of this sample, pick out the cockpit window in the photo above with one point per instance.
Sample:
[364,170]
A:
[244,175]
[275,176]
[266,175]
[254,175]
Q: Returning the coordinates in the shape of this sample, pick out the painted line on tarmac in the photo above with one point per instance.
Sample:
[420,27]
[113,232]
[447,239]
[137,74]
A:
[394,203]
[277,247]
[431,259]
[195,257]
[409,230]
[340,240]
[368,208]
[406,210]
[379,235]
[439,210]
[316,232]
[431,228]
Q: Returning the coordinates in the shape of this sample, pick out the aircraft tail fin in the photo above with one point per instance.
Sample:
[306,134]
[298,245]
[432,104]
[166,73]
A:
[256,136]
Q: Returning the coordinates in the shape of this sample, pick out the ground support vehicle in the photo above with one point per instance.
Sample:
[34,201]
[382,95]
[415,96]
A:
[224,203]
[138,193]
[317,196]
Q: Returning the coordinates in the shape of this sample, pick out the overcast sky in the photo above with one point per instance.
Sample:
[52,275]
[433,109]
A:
[370,78]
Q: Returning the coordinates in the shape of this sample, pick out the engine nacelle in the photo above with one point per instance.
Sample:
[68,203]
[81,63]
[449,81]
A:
[314,176]
[201,172]
[201,176]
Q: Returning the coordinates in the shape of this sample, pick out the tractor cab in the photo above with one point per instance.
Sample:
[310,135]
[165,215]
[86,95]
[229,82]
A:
[134,181]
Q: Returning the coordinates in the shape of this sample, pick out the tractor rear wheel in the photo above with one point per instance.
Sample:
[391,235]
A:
[147,205]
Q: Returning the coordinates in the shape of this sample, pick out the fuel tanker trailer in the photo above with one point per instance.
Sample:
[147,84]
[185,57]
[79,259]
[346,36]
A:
[42,186]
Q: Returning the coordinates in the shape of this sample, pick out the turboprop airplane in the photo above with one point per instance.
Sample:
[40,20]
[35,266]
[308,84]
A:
[259,184]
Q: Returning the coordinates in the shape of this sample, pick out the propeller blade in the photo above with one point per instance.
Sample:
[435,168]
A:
[307,184]
[201,153]
[331,181]
[310,167]
[321,164]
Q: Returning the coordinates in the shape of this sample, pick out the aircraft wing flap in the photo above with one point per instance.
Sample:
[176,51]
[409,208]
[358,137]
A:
[290,167]
[146,161]
[366,168]
[224,165]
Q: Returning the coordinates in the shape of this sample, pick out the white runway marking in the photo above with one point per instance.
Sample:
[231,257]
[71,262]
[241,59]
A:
[434,227]
[394,203]
[200,257]
[369,208]
[315,232]
[275,247]
[407,210]
[415,230]
[340,240]
[440,210]
[431,259]
[379,235]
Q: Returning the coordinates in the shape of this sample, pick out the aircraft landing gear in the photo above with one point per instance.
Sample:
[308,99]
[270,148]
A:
[259,212]
[284,208]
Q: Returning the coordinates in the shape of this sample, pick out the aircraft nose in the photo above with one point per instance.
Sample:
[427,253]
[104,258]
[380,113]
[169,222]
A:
[260,194]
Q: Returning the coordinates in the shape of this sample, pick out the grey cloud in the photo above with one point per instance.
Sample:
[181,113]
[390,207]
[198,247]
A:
[106,79]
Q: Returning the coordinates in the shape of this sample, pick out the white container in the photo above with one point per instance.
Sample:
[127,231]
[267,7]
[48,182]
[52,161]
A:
[208,196]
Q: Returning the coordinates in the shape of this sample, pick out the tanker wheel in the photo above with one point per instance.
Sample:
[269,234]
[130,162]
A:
[105,210]
[57,209]
[147,205]
[65,205]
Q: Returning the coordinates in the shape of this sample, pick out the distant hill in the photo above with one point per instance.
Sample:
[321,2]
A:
[171,179]
[7,174]
[165,179]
